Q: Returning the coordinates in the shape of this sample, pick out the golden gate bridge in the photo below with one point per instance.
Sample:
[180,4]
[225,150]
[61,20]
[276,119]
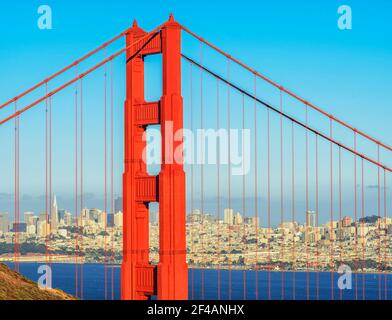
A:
[299,153]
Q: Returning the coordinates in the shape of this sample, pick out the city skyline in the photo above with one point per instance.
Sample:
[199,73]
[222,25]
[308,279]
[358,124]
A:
[255,138]
[281,44]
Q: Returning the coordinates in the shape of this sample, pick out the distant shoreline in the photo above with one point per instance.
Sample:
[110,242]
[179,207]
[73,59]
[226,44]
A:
[222,268]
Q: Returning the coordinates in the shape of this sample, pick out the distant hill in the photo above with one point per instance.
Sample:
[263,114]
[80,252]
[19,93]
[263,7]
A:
[369,219]
[14,286]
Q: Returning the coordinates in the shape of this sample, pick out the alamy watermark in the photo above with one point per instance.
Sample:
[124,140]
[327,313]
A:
[45,280]
[44,21]
[345,280]
[205,146]
[345,20]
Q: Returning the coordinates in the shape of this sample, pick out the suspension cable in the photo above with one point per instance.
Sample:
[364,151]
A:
[151,34]
[64,69]
[286,90]
[301,124]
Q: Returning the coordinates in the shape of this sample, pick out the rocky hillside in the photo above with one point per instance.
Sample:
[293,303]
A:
[14,286]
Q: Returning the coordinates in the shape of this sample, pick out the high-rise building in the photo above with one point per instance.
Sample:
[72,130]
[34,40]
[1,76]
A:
[228,216]
[43,217]
[30,229]
[195,216]
[310,219]
[68,218]
[35,222]
[93,214]
[110,218]
[251,221]
[28,218]
[19,227]
[43,228]
[346,221]
[85,217]
[54,216]
[4,222]
[208,217]
[238,218]
[102,219]
[118,204]
[61,213]
[118,219]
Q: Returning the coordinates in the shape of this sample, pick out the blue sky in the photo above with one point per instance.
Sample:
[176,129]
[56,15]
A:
[297,44]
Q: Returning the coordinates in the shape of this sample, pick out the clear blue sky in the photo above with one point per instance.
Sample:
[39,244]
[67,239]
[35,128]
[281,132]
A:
[296,43]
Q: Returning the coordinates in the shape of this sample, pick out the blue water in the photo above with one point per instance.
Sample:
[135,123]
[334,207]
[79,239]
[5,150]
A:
[64,275]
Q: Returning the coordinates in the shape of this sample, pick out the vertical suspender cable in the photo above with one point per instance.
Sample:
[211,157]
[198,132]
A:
[363,232]
[50,180]
[307,202]
[218,188]
[331,233]
[317,221]
[76,196]
[50,177]
[112,171]
[293,205]
[340,213]
[192,191]
[46,175]
[16,194]
[269,203]
[356,218]
[281,190]
[244,251]
[81,188]
[256,193]
[229,176]
[385,238]
[202,171]
[379,222]
[105,200]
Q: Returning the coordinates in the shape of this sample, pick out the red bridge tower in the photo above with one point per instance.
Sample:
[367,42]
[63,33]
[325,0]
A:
[139,278]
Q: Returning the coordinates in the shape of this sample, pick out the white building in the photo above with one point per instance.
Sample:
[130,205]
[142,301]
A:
[102,219]
[118,219]
[55,216]
[238,218]
[63,233]
[228,216]
[30,229]
[29,218]
[43,229]
[4,222]
[68,218]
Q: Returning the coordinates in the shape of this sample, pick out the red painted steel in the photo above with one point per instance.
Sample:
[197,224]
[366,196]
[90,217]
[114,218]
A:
[172,268]
[135,268]
[140,279]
